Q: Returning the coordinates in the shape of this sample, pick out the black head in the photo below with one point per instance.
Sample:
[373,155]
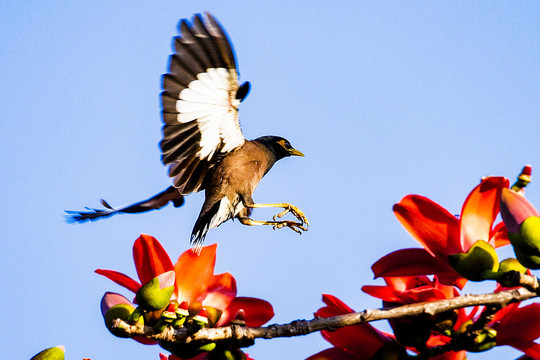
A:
[279,146]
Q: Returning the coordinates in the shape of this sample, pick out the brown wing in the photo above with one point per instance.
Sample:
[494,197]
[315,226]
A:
[199,101]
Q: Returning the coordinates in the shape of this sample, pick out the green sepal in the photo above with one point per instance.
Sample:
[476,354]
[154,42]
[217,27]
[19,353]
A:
[53,353]
[479,263]
[152,296]
[119,311]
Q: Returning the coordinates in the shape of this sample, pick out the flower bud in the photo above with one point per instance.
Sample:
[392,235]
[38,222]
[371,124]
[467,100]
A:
[506,267]
[478,263]
[515,208]
[207,347]
[523,179]
[182,314]
[115,306]
[168,316]
[198,321]
[201,317]
[54,353]
[155,294]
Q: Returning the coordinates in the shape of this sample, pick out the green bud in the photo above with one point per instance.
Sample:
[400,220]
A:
[529,233]
[484,341]
[155,294]
[54,353]
[506,268]
[530,261]
[445,321]
[119,311]
[479,263]
[207,347]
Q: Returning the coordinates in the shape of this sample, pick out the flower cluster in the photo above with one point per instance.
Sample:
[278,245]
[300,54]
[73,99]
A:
[185,295]
[455,249]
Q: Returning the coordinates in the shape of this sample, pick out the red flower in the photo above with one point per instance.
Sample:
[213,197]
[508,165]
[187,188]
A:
[357,342]
[351,342]
[409,290]
[194,281]
[442,234]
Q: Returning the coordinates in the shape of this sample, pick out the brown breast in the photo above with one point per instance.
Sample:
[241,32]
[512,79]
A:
[239,172]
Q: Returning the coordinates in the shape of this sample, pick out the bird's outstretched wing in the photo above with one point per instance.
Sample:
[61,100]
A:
[155,202]
[200,103]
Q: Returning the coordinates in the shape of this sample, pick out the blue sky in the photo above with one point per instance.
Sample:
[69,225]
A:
[384,98]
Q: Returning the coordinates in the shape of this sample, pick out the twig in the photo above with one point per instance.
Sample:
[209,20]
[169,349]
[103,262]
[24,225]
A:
[245,335]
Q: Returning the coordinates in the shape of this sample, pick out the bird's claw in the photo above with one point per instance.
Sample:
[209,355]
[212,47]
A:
[299,214]
[296,227]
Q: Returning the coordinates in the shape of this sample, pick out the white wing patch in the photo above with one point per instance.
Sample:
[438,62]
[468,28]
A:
[211,101]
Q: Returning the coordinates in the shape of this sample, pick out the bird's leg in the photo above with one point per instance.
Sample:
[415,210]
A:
[297,227]
[288,209]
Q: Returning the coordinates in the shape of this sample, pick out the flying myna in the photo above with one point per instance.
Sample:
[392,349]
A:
[202,140]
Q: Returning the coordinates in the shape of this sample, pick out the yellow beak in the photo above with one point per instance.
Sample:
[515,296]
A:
[294,152]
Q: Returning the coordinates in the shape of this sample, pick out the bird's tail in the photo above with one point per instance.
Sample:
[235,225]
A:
[217,214]
[157,201]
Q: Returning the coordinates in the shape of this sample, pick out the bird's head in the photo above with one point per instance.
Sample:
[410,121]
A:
[279,146]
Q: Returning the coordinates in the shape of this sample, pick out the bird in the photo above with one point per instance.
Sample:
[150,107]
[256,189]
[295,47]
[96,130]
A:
[203,144]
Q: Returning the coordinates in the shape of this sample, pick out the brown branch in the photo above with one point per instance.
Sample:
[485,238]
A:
[244,336]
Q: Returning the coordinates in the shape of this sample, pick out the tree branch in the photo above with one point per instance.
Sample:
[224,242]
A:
[243,336]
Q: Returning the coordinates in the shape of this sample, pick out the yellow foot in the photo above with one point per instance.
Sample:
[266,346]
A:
[296,212]
[296,227]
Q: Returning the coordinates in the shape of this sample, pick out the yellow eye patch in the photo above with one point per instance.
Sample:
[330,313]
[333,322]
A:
[282,143]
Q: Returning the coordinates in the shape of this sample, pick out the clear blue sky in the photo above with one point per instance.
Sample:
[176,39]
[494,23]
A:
[384,98]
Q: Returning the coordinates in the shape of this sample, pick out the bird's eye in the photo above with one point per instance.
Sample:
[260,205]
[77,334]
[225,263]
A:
[284,144]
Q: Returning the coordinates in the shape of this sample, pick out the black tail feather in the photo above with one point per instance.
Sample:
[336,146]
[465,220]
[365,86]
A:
[158,201]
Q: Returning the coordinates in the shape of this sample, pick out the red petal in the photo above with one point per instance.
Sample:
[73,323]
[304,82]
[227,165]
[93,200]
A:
[194,273]
[480,210]
[520,326]
[412,262]
[257,311]
[150,258]
[430,224]
[385,293]
[499,236]
[220,292]
[530,349]
[120,279]
[336,354]
[334,302]
[361,340]
[461,355]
